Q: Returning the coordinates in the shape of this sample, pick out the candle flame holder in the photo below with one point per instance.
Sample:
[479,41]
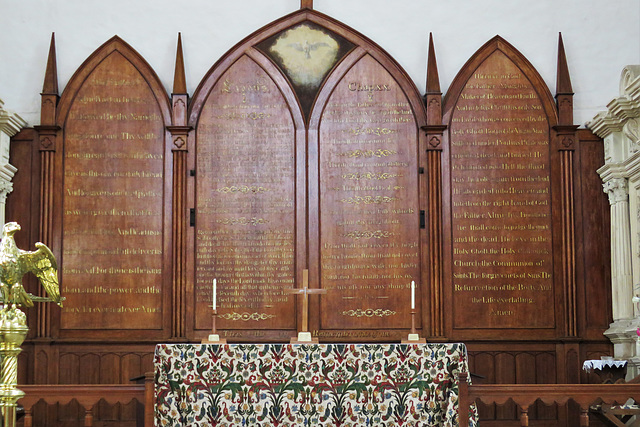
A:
[414,337]
[214,337]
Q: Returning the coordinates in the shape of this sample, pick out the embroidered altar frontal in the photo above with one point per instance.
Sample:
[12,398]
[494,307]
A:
[308,385]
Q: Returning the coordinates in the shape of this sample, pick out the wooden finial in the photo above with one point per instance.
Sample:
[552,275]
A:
[306,4]
[563,82]
[179,80]
[50,86]
[433,80]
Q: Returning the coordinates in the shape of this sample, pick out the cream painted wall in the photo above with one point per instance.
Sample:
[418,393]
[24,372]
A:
[600,37]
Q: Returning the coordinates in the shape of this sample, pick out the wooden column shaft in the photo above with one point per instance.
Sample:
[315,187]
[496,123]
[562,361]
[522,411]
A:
[434,195]
[179,243]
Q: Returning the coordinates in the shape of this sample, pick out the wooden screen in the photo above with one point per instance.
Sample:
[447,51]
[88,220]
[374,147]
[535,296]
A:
[501,201]
[306,147]
[369,247]
[306,157]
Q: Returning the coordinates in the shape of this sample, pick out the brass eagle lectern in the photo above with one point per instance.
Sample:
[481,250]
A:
[15,263]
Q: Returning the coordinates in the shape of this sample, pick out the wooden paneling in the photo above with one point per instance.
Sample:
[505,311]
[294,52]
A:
[112,202]
[369,207]
[245,234]
[513,363]
[499,206]
[594,238]
[111,196]
[323,159]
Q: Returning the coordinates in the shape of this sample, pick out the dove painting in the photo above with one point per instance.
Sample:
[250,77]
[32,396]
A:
[307,54]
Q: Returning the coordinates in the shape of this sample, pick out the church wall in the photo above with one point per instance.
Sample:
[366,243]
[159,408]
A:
[601,37]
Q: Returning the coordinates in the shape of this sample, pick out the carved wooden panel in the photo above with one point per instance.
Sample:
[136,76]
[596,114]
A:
[594,223]
[369,244]
[103,364]
[112,199]
[270,186]
[245,231]
[290,168]
[519,364]
[500,208]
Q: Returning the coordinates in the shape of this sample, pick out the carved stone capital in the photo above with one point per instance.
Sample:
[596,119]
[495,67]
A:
[617,189]
[6,187]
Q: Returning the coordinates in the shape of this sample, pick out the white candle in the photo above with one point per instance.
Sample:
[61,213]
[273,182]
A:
[413,295]
[214,294]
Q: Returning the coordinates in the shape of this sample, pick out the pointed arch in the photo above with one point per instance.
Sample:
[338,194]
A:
[329,77]
[111,46]
[498,44]
[499,170]
[112,190]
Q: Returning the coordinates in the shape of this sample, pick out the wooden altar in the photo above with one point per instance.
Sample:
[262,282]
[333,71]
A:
[316,384]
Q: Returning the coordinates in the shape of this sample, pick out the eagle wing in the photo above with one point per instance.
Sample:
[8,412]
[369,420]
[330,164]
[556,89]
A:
[42,263]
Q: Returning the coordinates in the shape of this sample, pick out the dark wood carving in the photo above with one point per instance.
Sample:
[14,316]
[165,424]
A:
[369,247]
[432,180]
[245,203]
[500,210]
[47,132]
[180,138]
[342,184]
[112,214]
[365,235]
[273,168]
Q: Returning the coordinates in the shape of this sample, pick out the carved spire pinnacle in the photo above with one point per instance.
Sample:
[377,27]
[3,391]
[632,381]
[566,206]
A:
[306,4]
[179,80]
[433,80]
[563,82]
[50,86]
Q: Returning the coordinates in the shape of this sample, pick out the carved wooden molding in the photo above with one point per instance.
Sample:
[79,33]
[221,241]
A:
[525,395]
[88,396]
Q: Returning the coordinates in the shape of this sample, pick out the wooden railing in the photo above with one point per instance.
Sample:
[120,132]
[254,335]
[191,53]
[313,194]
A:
[88,395]
[524,395]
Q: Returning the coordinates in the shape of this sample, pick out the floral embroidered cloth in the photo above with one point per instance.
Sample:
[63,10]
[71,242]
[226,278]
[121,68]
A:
[308,385]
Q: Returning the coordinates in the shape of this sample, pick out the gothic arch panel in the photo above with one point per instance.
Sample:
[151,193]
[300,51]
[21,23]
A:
[112,192]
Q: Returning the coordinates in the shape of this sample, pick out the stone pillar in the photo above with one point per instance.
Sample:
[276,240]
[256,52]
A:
[619,126]
[10,124]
